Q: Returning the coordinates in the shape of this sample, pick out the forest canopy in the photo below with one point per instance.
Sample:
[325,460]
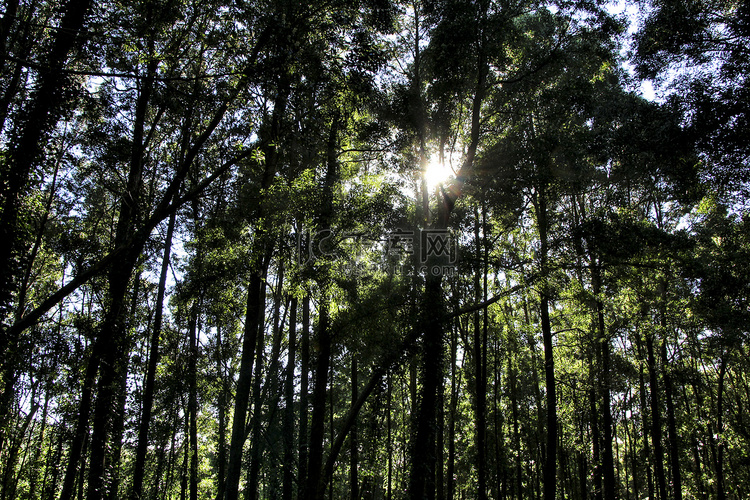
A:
[374,249]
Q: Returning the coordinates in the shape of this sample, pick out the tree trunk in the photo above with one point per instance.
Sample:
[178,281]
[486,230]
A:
[550,463]
[423,461]
[317,422]
[323,365]
[303,389]
[389,438]
[153,361]
[221,445]
[114,331]
[674,443]
[27,144]
[720,485]
[646,456]
[266,395]
[242,392]
[480,387]
[655,420]
[595,440]
[518,484]
[603,344]
[353,441]
[192,374]
[119,424]
[255,301]
[287,487]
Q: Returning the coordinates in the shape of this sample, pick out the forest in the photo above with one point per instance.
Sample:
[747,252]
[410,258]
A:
[374,249]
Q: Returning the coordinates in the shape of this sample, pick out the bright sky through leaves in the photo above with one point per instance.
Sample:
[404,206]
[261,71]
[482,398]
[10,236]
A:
[437,173]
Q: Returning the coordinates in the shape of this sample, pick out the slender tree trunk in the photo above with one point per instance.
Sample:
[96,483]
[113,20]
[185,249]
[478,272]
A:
[288,485]
[518,485]
[317,423]
[423,459]
[242,392]
[303,389]
[253,471]
[27,144]
[221,445]
[34,480]
[81,430]
[655,420]
[389,439]
[115,350]
[268,395]
[153,361]
[595,440]
[646,456]
[255,302]
[674,440]
[119,423]
[440,445]
[720,485]
[192,374]
[550,463]
[603,344]
[353,439]
[49,488]
[422,480]
[8,490]
[480,388]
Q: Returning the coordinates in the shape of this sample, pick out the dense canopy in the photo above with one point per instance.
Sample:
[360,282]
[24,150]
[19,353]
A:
[374,249]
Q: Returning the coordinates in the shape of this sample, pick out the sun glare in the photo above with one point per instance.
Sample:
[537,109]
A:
[437,173]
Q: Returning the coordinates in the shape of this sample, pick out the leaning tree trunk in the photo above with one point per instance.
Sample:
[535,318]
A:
[153,361]
[114,331]
[27,145]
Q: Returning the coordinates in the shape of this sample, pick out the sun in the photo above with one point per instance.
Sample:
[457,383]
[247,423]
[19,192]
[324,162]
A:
[437,173]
